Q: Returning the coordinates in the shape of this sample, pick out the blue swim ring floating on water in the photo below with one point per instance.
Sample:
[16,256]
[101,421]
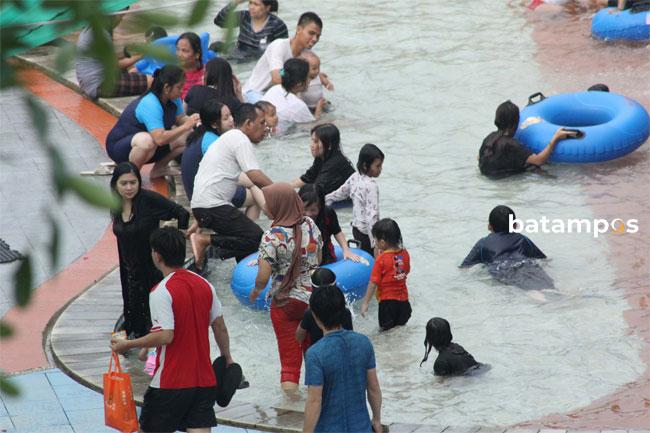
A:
[610,24]
[352,278]
[610,125]
[149,65]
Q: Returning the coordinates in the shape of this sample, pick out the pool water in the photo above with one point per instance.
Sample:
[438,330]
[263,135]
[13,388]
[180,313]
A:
[422,81]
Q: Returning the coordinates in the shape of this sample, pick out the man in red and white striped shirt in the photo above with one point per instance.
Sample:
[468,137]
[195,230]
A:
[183,305]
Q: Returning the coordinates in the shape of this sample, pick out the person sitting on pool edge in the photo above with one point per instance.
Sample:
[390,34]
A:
[508,255]
[502,155]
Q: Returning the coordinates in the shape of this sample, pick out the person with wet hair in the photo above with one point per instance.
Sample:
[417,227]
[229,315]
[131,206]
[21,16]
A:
[308,333]
[502,155]
[388,277]
[290,108]
[258,27]
[509,256]
[190,57]
[452,359]
[600,87]
[340,372]
[331,168]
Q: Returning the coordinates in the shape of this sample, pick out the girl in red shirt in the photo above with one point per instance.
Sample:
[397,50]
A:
[388,276]
[190,53]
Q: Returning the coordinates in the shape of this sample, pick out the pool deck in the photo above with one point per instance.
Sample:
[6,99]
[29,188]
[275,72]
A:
[75,329]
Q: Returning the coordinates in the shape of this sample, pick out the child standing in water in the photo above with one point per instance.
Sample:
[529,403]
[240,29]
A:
[388,276]
[190,53]
[452,359]
[362,188]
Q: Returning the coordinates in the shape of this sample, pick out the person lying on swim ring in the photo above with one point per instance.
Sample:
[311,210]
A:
[502,155]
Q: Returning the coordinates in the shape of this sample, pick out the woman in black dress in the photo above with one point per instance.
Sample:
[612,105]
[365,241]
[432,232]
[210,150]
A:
[139,215]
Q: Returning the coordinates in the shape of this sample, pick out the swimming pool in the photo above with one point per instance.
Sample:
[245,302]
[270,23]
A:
[422,83]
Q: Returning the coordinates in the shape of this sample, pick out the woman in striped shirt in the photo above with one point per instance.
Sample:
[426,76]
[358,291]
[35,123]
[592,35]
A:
[258,27]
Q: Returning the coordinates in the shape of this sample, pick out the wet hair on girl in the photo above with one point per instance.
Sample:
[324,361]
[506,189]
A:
[294,73]
[500,219]
[506,118]
[322,277]
[387,230]
[210,114]
[310,193]
[121,169]
[438,335]
[328,305]
[328,134]
[195,43]
[218,73]
[167,75]
[367,155]
[600,87]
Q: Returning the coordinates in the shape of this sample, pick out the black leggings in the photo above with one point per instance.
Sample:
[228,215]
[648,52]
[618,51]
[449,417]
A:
[364,239]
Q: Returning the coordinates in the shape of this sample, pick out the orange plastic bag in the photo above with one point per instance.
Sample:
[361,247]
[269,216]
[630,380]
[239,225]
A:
[119,406]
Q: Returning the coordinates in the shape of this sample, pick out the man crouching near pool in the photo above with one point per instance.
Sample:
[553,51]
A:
[181,395]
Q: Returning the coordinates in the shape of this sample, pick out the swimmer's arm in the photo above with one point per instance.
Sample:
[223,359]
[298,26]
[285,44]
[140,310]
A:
[374,398]
[152,339]
[347,254]
[543,156]
[125,63]
[325,80]
[297,183]
[259,178]
[312,408]
[370,292]
[275,77]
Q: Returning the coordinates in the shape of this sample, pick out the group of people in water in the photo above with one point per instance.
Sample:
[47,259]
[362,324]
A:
[203,116]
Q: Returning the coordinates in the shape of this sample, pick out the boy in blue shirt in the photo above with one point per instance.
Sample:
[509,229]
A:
[509,256]
[340,370]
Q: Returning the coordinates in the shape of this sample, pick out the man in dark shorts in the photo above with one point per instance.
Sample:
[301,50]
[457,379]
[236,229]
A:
[182,393]
[215,185]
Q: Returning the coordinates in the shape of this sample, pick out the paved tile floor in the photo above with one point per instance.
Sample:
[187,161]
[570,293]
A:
[51,402]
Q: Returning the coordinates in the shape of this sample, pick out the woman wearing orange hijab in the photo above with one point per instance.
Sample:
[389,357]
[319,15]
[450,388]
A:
[290,268]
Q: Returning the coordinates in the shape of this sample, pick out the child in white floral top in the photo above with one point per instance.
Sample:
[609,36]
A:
[362,188]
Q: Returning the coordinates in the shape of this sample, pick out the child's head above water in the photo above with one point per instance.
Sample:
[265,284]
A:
[327,304]
[312,200]
[189,51]
[294,75]
[325,140]
[155,32]
[438,335]
[499,220]
[506,118]
[387,234]
[270,113]
[371,159]
[314,63]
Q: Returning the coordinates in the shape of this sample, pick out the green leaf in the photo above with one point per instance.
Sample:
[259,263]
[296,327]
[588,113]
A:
[156,51]
[198,12]
[90,192]
[38,114]
[5,330]
[65,57]
[23,282]
[231,25]
[55,241]
[8,388]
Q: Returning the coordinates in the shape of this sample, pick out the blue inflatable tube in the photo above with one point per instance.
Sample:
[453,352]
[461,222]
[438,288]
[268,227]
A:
[610,125]
[149,65]
[352,278]
[611,25]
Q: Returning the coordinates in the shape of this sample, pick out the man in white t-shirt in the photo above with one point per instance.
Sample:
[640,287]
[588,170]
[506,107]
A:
[267,69]
[215,184]
[184,306]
